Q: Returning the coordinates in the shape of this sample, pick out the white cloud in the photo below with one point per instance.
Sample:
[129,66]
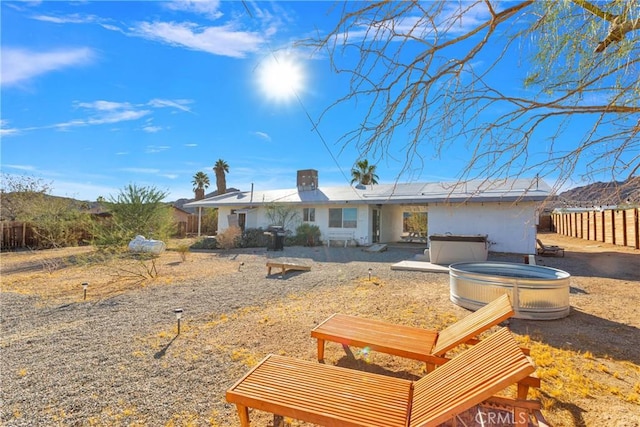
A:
[107,118]
[170,175]
[453,19]
[151,149]
[111,28]
[67,19]
[106,112]
[180,104]
[102,112]
[5,130]
[104,105]
[223,40]
[21,65]
[20,167]
[210,8]
[262,135]
[118,116]
[190,145]
[459,18]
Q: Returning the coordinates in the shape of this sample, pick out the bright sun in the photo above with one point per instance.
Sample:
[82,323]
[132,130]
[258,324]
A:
[280,79]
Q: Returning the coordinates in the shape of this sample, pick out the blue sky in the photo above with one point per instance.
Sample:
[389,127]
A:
[99,95]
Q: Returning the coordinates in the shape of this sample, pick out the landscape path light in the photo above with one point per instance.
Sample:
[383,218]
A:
[370,273]
[85,285]
[178,312]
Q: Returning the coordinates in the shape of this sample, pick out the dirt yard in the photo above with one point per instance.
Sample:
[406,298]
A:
[115,358]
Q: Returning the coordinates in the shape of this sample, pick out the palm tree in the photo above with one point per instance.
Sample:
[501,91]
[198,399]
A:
[220,168]
[200,183]
[364,173]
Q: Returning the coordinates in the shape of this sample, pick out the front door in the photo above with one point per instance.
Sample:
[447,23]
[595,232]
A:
[242,220]
[375,226]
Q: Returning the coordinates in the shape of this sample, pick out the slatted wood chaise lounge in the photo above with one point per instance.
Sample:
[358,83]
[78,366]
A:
[334,396]
[552,250]
[410,342]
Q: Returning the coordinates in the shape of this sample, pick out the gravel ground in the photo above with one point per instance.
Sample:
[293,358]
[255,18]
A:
[85,362]
[117,359]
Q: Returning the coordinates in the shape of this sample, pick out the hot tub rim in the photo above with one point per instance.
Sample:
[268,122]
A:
[558,274]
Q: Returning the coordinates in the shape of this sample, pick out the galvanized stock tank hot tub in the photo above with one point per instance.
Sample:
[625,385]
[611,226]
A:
[537,293]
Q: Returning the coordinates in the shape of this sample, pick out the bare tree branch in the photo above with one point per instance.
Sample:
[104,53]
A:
[620,24]
[429,78]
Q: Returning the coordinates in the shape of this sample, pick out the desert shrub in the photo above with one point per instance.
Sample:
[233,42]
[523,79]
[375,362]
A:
[55,221]
[135,211]
[283,215]
[229,238]
[209,224]
[254,238]
[307,235]
[415,222]
[183,250]
[208,242]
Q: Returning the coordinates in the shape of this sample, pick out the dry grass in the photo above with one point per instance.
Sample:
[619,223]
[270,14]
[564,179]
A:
[135,369]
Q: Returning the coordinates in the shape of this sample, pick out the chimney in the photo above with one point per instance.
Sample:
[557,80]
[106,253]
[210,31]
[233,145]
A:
[307,179]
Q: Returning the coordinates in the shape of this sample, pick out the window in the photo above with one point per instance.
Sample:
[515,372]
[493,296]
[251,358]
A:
[350,218]
[414,222]
[343,218]
[309,214]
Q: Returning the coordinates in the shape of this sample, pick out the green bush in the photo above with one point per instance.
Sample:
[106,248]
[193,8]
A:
[135,211]
[206,243]
[254,238]
[307,235]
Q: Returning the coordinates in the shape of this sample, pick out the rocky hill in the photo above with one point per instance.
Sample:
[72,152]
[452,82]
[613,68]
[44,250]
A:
[604,193]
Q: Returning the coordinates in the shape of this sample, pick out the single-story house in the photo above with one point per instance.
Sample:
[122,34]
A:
[506,211]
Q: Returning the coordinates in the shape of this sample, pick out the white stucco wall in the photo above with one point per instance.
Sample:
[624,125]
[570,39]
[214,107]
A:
[391,223]
[257,218]
[511,227]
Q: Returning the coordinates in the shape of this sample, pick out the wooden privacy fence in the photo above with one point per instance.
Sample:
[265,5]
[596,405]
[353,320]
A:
[188,226]
[616,226]
[16,235]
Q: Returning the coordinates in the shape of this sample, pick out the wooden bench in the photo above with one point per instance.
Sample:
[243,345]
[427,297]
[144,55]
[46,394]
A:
[420,237]
[408,341]
[286,265]
[345,236]
[331,395]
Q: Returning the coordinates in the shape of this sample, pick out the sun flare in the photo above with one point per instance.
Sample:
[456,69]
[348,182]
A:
[281,79]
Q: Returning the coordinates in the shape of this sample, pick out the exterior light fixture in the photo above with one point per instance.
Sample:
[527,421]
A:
[240,265]
[178,312]
[370,274]
[85,285]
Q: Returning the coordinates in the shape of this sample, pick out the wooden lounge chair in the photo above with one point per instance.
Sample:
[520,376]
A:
[335,396]
[552,250]
[407,341]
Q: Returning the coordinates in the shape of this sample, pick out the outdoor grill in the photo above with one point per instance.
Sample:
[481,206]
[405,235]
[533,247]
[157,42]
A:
[276,241]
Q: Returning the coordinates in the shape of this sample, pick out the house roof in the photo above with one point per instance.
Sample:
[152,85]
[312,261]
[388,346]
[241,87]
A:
[471,191]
